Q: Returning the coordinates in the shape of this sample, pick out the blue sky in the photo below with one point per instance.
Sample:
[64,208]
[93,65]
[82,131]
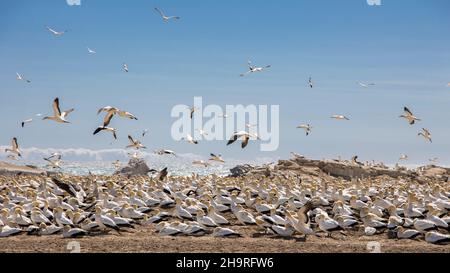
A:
[402,46]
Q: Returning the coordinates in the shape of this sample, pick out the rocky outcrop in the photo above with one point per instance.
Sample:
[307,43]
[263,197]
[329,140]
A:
[8,169]
[135,167]
[303,167]
[240,170]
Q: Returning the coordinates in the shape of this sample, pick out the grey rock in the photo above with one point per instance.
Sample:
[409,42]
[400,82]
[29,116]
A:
[135,167]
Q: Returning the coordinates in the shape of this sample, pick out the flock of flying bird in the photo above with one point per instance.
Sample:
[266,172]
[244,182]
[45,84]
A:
[213,205]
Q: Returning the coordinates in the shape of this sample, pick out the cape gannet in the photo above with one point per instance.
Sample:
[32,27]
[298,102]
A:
[243,135]
[310,82]
[426,134]
[19,77]
[217,158]
[165,152]
[403,233]
[91,51]
[58,115]
[69,232]
[409,116]
[339,117]
[437,238]
[56,33]
[190,139]
[305,127]
[253,69]
[166,18]
[14,148]
[26,121]
[136,144]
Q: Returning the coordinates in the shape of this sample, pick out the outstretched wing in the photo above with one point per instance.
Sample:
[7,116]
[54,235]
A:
[233,139]
[14,145]
[407,111]
[108,118]
[160,12]
[56,108]
[131,140]
[66,113]
[245,139]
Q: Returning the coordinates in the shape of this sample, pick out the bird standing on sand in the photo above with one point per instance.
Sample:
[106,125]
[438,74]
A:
[217,158]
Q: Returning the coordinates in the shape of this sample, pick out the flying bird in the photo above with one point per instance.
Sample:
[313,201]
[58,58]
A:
[339,117]
[408,115]
[125,67]
[54,161]
[56,33]
[110,110]
[166,18]
[201,163]
[217,158]
[58,115]
[144,132]
[202,132]
[67,187]
[165,152]
[107,129]
[135,144]
[125,114]
[310,82]
[426,134]
[366,85]
[26,121]
[403,157]
[21,78]
[253,69]
[243,135]
[163,174]
[14,148]
[91,51]
[305,127]
[433,160]
[192,111]
[190,139]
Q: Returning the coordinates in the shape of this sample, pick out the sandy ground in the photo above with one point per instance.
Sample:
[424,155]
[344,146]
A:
[144,239]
